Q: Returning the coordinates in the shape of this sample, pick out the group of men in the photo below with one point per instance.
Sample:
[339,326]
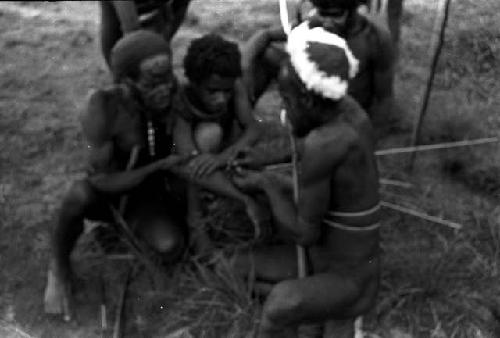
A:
[159,141]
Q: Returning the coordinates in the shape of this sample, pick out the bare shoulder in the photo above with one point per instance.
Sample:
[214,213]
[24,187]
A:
[97,118]
[330,142]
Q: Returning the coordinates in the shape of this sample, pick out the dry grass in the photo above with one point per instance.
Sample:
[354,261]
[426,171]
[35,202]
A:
[436,282]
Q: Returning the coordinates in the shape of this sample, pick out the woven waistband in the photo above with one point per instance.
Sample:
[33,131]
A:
[355,213]
[341,226]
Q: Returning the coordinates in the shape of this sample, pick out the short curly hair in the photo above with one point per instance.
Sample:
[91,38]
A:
[347,4]
[212,54]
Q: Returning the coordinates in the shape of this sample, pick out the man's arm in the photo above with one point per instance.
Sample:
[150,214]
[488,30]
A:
[383,75]
[302,223]
[251,127]
[104,175]
[258,43]
[256,48]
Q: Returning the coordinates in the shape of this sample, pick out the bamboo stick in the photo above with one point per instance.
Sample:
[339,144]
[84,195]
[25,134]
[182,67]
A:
[421,215]
[438,146]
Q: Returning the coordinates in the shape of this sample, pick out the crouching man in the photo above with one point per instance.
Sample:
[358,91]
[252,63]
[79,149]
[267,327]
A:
[214,122]
[337,215]
[133,114]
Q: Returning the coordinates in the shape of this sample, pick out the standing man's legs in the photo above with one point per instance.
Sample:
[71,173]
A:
[110,30]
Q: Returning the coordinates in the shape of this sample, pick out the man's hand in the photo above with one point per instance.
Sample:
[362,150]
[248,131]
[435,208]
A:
[171,161]
[204,165]
[248,158]
[229,155]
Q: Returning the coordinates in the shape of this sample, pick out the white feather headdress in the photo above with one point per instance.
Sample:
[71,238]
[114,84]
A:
[331,86]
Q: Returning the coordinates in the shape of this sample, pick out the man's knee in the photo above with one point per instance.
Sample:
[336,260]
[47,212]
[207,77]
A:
[283,304]
[168,244]
[208,137]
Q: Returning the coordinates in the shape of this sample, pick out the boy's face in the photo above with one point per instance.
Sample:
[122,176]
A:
[215,92]
[156,82]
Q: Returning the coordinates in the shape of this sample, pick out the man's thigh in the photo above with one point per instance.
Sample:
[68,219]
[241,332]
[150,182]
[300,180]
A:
[316,298]
[268,263]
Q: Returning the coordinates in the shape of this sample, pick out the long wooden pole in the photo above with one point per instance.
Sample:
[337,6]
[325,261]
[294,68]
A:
[436,47]
[301,251]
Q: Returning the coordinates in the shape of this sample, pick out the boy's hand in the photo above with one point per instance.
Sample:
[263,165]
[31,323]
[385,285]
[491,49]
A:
[204,165]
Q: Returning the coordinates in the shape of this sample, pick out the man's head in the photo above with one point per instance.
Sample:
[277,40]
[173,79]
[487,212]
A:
[142,60]
[212,64]
[315,76]
[334,15]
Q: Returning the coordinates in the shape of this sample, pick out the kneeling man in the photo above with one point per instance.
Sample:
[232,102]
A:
[133,114]
[215,121]
[337,215]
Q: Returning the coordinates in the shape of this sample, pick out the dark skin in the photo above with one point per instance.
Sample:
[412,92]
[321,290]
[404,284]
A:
[113,125]
[205,168]
[337,172]
[215,93]
[372,87]
[121,17]
[372,46]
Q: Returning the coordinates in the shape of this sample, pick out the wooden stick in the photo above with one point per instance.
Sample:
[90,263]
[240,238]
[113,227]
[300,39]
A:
[438,146]
[142,252]
[422,215]
[134,155]
[284,17]
[120,313]
[301,251]
[385,181]
[102,307]
[436,46]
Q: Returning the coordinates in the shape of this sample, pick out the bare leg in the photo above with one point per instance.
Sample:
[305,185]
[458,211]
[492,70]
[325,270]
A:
[311,299]
[269,263]
[68,228]
[110,29]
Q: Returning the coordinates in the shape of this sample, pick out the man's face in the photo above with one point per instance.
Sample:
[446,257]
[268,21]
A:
[332,18]
[156,82]
[215,92]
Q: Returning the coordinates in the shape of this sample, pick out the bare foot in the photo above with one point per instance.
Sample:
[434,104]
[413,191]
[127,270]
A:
[58,294]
